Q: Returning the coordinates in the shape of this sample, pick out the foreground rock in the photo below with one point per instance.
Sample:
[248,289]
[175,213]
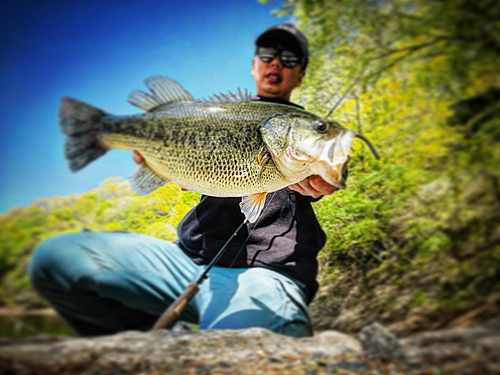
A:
[258,351]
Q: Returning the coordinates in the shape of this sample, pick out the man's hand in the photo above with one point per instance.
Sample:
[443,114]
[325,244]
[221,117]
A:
[313,186]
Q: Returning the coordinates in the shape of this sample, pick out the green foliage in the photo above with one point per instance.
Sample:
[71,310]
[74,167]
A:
[112,206]
[423,222]
[418,298]
[426,91]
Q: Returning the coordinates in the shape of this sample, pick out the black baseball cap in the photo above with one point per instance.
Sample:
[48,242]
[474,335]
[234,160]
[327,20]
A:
[287,35]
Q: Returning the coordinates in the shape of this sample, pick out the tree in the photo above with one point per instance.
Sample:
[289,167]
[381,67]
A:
[422,80]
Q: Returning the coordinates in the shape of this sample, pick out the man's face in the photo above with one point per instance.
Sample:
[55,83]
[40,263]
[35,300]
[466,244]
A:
[273,80]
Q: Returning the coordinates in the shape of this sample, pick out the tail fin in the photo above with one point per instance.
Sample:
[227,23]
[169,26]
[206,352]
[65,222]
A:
[80,122]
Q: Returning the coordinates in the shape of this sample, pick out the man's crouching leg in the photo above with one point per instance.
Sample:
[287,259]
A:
[106,282]
[254,297]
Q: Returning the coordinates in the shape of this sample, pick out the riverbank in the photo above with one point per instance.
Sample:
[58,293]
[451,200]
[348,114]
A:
[21,323]
[474,350]
[22,311]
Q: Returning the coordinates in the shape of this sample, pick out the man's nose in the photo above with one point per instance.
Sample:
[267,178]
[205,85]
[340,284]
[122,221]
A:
[276,61]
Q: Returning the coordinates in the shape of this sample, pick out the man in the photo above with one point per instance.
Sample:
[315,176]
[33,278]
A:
[104,282]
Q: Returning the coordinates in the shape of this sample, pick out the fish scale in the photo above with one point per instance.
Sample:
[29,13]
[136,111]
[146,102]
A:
[181,145]
[230,148]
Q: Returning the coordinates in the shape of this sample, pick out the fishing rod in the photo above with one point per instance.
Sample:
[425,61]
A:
[174,311]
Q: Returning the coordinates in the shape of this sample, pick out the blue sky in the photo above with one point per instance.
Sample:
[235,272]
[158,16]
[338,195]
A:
[99,51]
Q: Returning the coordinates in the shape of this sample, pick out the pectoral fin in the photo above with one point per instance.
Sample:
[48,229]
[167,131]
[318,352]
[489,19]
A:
[144,180]
[252,206]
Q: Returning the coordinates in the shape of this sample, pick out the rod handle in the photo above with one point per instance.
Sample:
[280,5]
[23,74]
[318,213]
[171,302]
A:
[174,311]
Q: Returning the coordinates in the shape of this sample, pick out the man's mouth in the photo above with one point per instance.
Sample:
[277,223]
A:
[273,78]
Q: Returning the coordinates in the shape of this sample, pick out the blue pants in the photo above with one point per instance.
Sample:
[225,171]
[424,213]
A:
[106,282]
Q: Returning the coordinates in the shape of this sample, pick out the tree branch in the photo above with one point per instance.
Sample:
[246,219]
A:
[347,91]
[410,48]
[389,66]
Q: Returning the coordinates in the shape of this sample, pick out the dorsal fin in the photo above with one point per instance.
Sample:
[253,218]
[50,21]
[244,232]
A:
[163,90]
[229,97]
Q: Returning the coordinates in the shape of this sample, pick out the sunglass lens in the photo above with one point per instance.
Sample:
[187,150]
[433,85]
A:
[267,54]
[288,58]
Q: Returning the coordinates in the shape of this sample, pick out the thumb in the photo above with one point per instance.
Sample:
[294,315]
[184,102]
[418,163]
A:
[138,157]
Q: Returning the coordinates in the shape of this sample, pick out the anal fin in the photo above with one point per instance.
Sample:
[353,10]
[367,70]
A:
[144,180]
[252,206]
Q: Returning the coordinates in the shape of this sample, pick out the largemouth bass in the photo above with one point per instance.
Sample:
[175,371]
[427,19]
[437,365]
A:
[226,147]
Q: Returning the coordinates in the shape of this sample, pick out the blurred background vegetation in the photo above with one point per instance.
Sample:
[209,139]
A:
[414,240]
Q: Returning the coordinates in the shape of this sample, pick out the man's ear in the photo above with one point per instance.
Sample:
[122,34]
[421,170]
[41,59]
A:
[253,67]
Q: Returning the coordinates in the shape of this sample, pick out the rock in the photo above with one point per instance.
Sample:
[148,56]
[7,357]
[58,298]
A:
[459,345]
[257,351]
[217,351]
[181,326]
[380,344]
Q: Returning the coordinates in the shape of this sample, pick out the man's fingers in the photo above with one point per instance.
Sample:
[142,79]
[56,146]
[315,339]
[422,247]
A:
[298,189]
[321,186]
[309,188]
[304,187]
[314,186]
[138,157]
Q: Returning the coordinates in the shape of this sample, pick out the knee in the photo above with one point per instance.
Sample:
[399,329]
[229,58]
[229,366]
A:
[50,260]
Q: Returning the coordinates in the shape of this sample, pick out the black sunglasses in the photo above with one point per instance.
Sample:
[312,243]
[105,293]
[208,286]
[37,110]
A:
[289,59]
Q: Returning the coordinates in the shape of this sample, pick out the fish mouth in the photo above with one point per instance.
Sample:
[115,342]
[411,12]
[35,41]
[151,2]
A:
[334,158]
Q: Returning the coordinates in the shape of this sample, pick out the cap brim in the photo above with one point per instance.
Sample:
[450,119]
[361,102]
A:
[281,37]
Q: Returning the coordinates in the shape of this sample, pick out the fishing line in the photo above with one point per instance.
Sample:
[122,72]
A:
[251,231]
[369,144]
[219,255]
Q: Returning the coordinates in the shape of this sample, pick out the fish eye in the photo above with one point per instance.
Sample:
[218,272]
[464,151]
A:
[321,127]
